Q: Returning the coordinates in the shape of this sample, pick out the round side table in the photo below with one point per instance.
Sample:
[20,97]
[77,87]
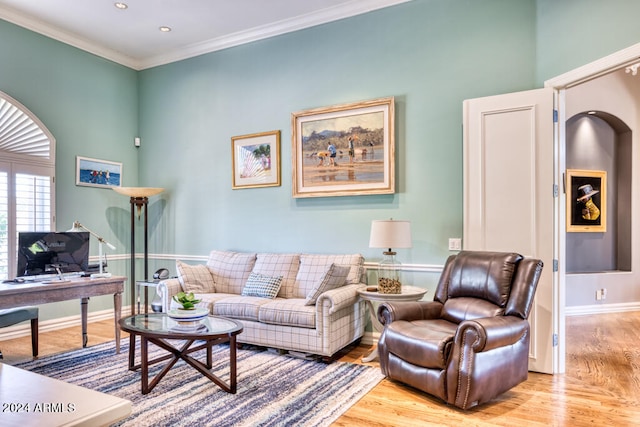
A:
[409,293]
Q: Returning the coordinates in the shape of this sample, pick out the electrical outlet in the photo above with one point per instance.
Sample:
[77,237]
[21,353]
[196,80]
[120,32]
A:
[603,292]
[455,244]
[598,294]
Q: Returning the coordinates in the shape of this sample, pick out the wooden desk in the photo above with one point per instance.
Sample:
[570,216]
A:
[33,293]
[30,399]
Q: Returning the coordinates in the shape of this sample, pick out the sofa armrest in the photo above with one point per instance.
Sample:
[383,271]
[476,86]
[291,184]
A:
[339,298]
[408,310]
[168,288]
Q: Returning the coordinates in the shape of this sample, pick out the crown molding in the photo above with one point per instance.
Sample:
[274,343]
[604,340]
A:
[37,26]
[346,10]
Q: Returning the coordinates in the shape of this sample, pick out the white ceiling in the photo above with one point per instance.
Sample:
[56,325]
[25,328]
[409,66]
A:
[132,37]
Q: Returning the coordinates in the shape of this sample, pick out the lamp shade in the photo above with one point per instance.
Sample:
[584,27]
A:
[390,234]
[138,191]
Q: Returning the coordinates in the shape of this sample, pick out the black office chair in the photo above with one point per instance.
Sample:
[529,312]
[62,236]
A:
[13,316]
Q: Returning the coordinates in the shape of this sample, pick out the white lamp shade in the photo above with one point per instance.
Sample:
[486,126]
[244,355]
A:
[390,234]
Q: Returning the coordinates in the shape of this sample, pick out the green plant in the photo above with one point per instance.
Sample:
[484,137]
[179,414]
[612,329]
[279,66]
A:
[188,301]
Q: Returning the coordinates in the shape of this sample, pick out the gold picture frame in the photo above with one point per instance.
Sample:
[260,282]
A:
[344,150]
[256,160]
[586,192]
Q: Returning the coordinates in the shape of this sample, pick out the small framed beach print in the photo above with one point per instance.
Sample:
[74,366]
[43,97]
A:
[586,201]
[344,150]
[256,160]
[98,173]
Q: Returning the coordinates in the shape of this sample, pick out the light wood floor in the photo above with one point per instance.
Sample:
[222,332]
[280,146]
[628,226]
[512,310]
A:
[601,385]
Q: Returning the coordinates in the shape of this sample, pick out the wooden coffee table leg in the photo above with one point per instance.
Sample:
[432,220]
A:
[144,365]
[132,351]
[232,363]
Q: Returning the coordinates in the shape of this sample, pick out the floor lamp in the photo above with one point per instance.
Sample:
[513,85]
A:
[139,198]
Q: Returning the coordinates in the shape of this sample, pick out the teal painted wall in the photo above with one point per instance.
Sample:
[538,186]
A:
[429,55]
[572,33]
[90,105]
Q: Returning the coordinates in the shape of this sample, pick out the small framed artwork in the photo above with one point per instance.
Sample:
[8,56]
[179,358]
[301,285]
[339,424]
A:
[98,173]
[586,201]
[256,160]
[344,150]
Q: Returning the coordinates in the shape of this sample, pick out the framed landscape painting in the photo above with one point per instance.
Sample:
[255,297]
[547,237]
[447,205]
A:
[344,150]
[256,160]
[98,173]
[586,201]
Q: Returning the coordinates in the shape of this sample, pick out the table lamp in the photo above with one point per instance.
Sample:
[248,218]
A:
[101,273]
[390,234]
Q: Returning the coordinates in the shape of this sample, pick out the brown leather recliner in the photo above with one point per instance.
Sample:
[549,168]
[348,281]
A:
[471,343]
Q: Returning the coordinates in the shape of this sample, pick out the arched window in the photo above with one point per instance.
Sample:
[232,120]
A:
[27,170]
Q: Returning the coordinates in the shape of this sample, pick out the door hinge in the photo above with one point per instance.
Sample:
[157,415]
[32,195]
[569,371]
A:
[555,340]
[555,265]
[555,190]
[555,116]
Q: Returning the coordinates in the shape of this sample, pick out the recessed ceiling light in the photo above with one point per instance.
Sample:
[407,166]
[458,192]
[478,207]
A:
[120,5]
[165,29]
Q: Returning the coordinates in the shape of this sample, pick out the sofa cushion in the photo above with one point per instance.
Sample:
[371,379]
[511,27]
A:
[195,278]
[314,266]
[334,277]
[285,265]
[288,312]
[238,307]
[259,285]
[230,270]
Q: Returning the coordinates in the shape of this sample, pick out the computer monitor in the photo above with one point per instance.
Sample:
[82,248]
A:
[42,253]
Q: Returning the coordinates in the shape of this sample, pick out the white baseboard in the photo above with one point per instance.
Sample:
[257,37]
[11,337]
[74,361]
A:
[24,329]
[601,309]
[370,338]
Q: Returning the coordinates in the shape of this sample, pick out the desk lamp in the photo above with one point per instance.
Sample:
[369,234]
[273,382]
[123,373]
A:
[79,227]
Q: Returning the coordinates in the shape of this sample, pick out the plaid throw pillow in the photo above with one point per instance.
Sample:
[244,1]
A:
[335,277]
[195,278]
[259,285]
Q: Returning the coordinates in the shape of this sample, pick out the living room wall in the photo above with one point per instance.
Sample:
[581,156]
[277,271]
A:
[90,105]
[429,54]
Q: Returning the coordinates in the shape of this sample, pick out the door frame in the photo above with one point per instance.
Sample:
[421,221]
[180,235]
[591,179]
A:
[560,84]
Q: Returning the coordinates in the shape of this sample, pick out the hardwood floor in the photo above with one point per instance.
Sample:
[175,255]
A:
[601,385]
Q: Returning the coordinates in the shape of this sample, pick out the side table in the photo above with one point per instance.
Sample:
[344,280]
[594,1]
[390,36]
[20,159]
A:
[409,293]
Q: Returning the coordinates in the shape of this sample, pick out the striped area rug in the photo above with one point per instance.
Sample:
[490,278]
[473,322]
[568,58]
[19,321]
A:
[273,390]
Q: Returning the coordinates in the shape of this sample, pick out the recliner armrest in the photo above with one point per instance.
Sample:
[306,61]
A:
[491,332]
[408,310]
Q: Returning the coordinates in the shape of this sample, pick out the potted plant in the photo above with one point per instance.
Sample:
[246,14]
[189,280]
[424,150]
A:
[188,301]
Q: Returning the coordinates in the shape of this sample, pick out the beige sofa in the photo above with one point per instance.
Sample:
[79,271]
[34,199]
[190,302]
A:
[303,303]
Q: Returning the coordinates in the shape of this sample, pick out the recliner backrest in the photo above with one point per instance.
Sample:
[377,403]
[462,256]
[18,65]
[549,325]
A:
[477,284]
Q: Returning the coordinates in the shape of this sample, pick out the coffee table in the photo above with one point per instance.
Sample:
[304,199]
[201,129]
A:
[160,329]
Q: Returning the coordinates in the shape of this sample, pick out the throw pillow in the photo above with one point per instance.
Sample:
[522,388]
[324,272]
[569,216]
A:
[259,285]
[195,278]
[335,277]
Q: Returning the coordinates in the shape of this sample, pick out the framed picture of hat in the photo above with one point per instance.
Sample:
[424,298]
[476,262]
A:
[586,201]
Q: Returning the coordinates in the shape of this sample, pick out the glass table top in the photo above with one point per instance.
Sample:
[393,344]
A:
[160,324]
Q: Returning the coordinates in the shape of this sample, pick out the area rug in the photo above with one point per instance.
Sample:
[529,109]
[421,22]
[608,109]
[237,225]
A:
[273,389]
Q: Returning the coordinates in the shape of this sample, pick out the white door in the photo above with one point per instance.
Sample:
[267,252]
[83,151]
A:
[509,197]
